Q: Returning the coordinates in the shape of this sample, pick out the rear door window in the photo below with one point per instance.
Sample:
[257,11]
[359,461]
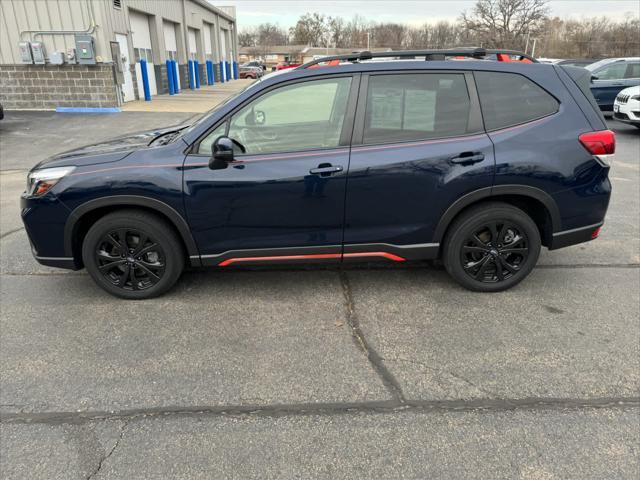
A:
[409,107]
[511,99]
[633,70]
[615,71]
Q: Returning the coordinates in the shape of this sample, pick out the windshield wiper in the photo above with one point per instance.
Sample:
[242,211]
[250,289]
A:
[166,137]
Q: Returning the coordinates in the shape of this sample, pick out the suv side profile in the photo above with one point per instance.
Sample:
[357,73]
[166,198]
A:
[610,76]
[479,163]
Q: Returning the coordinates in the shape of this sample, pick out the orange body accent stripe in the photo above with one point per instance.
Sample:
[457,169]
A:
[229,261]
[387,255]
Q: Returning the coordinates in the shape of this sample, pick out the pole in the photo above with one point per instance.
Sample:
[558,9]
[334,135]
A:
[174,72]
[191,79]
[145,80]
[170,78]
[533,49]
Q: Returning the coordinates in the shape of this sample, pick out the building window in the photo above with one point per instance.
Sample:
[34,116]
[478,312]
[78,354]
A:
[143,53]
[171,55]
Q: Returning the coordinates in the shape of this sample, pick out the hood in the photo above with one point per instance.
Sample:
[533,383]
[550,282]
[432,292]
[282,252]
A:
[632,91]
[107,151]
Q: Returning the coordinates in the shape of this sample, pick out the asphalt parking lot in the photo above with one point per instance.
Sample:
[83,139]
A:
[364,372]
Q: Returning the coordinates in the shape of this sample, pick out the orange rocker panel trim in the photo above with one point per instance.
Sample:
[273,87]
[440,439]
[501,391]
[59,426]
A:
[387,255]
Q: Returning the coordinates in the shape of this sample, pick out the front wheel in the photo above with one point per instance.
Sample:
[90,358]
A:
[491,247]
[133,254]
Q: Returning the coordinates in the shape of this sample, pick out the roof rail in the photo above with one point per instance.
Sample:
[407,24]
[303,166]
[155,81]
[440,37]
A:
[429,55]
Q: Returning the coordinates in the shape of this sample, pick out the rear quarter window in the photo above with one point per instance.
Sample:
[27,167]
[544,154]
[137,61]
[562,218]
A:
[509,99]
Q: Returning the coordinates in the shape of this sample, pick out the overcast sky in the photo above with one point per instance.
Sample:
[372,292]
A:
[413,12]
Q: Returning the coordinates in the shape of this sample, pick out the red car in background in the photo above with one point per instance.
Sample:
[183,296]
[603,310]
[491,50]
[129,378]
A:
[286,65]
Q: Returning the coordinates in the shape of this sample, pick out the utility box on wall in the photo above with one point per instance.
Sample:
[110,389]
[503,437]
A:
[57,58]
[37,49]
[25,52]
[85,50]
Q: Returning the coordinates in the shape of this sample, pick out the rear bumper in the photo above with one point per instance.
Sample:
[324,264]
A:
[574,236]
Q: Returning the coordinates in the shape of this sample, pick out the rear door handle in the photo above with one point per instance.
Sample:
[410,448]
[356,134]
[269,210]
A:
[326,169]
[468,158]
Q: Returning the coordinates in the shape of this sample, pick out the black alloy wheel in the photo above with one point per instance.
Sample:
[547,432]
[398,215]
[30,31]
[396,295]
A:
[133,254]
[494,252]
[491,247]
[130,259]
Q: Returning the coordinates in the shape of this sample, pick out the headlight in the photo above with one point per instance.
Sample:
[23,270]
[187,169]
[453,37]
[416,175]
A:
[40,181]
[635,97]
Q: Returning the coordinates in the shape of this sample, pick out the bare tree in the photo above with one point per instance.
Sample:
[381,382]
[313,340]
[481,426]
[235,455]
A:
[247,38]
[311,29]
[504,23]
[338,32]
[492,23]
[268,35]
[389,34]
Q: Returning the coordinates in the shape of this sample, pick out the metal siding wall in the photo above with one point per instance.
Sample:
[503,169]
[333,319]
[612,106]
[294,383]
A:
[20,15]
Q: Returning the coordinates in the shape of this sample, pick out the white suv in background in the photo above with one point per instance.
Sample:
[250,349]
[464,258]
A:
[626,108]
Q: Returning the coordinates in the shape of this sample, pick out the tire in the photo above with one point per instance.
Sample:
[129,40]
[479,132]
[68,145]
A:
[156,264]
[483,264]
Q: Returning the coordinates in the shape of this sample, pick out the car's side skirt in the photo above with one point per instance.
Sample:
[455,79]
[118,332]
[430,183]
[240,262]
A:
[322,254]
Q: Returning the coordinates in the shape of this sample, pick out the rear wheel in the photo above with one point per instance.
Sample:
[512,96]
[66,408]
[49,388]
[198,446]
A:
[491,247]
[133,254]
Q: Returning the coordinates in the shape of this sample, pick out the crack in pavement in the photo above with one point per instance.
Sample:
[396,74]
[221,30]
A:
[439,371]
[328,409]
[376,361]
[6,234]
[113,449]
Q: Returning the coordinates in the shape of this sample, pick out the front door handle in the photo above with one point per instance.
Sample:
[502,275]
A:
[325,169]
[468,158]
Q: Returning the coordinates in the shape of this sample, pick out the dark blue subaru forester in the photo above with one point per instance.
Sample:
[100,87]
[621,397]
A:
[476,162]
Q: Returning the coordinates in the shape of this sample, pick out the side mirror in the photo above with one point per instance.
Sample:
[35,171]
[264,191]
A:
[593,77]
[223,152]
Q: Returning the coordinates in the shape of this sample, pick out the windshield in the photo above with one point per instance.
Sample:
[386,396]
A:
[206,115]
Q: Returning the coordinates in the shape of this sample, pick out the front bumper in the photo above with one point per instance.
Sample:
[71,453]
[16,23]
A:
[44,219]
[628,112]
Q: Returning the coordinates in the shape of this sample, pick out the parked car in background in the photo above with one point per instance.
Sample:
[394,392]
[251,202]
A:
[286,65]
[250,72]
[576,62]
[610,76]
[627,106]
[255,63]
[393,161]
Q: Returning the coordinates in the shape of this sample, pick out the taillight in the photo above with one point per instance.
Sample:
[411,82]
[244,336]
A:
[602,142]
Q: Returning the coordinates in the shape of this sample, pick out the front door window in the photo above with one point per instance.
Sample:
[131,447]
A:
[304,116]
